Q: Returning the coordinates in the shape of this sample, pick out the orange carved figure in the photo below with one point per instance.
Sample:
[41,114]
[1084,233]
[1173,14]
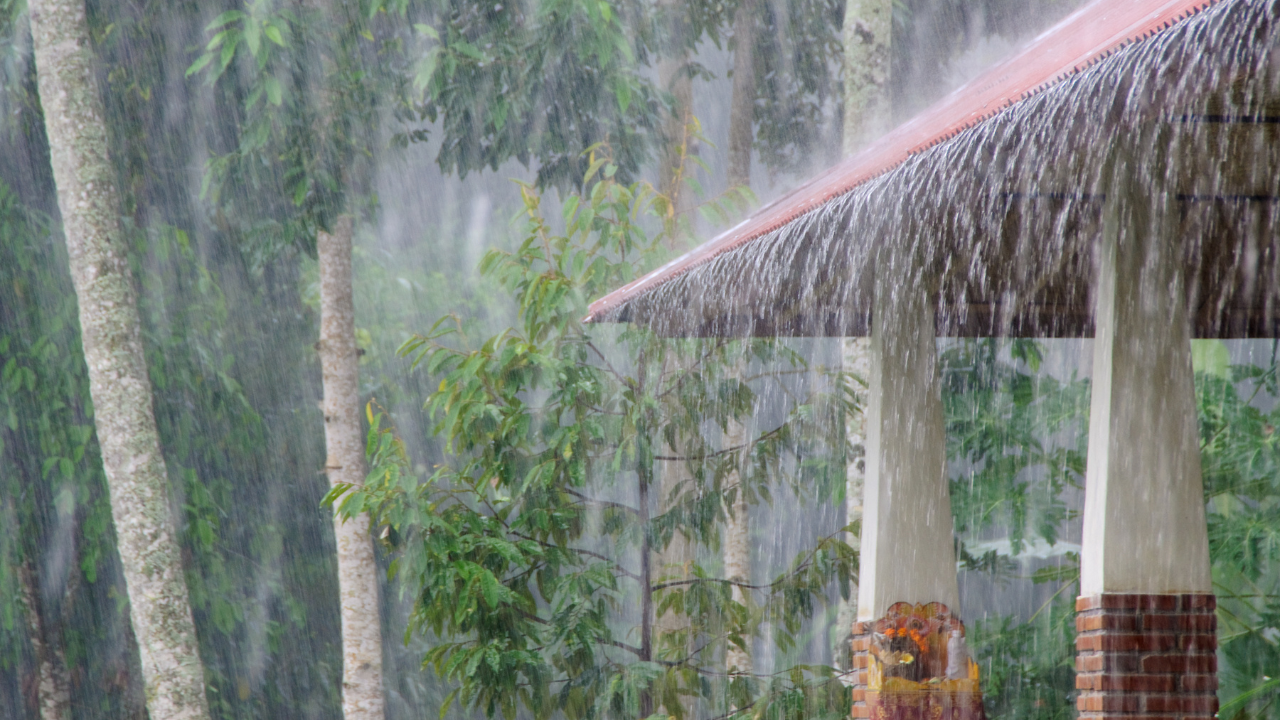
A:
[920,668]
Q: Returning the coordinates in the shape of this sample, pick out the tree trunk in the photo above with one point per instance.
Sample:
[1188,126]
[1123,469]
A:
[742,102]
[118,382]
[673,77]
[362,696]
[737,544]
[53,688]
[672,563]
[868,26]
[855,357]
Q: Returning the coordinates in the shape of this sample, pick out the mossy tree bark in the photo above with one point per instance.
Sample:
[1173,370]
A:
[737,544]
[742,101]
[868,26]
[737,552]
[673,77]
[53,687]
[362,696]
[111,333]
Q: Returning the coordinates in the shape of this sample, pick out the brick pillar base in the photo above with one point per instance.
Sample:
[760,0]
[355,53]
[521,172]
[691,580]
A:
[1146,657]
[861,659]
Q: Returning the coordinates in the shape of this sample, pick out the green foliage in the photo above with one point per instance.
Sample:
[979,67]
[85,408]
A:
[308,85]
[52,488]
[535,550]
[536,82]
[1028,668]
[1241,463]
[1016,440]
[1001,418]
[797,47]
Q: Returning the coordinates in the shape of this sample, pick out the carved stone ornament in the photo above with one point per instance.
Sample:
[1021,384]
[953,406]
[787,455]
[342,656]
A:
[920,668]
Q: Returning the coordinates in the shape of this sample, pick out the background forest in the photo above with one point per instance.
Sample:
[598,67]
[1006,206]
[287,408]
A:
[240,132]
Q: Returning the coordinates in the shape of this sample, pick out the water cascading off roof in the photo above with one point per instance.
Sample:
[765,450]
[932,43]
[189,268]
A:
[993,196]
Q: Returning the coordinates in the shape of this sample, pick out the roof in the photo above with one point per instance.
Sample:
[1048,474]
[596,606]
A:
[1081,40]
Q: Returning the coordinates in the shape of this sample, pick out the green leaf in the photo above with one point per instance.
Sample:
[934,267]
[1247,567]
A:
[228,53]
[253,37]
[200,64]
[225,18]
[274,92]
[622,91]
[273,34]
[468,50]
[1211,358]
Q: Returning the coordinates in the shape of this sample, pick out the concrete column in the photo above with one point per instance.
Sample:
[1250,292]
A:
[1144,523]
[1145,643]
[907,550]
[907,541]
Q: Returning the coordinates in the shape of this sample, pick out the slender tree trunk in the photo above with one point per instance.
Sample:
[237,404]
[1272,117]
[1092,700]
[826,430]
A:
[676,130]
[121,390]
[868,28]
[53,688]
[645,481]
[737,545]
[673,561]
[737,549]
[362,696]
[855,358]
[742,102]
[673,77]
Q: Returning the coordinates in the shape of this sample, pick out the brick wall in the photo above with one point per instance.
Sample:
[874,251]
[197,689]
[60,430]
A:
[861,656]
[1146,657]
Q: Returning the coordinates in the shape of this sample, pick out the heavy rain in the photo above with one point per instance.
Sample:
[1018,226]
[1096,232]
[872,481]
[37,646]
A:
[640,359]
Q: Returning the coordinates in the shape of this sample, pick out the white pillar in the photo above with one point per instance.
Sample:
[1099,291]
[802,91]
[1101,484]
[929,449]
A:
[907,541]
[1144,522]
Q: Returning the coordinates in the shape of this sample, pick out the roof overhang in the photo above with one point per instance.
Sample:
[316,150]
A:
[1002,183]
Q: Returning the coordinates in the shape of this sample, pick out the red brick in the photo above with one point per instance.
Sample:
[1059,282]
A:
[1126,642]
[1200,602]
[861,644]
[1087,602]
[1126,683]
[1105,662]
[1088,643]
[1198,683]
[1181,664]
[1180,622]
[1103,621]
[859,695]
[1118,601]
[1125,601]
[1207,623]
[1099,702]
[1199,643]
[859,660]
[861,711]
[1182,704]
[1159,623]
